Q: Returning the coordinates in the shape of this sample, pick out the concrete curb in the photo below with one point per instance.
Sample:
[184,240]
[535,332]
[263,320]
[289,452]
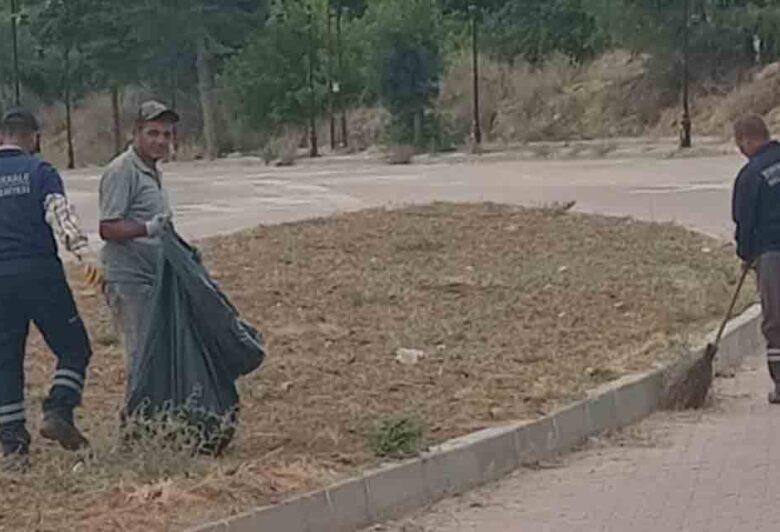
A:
[464,463]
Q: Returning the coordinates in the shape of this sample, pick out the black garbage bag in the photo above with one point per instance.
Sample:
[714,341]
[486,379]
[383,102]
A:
[239,344]
[196,347]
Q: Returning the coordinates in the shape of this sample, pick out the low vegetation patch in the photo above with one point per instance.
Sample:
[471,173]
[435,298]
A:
[388,331]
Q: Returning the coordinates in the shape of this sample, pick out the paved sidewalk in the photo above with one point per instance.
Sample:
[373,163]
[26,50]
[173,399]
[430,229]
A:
[716,470]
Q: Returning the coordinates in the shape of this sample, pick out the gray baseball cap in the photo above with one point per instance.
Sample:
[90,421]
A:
[19,116]
[154,110]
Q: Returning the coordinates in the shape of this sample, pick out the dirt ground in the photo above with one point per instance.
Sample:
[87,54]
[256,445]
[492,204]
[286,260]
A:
[516,311]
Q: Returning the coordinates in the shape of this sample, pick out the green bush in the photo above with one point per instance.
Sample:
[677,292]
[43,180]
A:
[396,436]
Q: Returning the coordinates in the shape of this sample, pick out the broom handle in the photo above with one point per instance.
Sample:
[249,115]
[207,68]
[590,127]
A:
[745,272]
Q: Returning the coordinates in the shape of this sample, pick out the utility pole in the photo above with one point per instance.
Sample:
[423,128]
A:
[685,134]
[340,66]
[69,111]
[313,150]
[475,71]
[331,115]
[174,98]
[15,46]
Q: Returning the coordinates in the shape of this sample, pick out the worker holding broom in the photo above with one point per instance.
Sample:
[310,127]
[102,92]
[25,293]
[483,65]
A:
[756,212]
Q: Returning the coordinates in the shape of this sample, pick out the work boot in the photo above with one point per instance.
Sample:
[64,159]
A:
[16,450]
[774,396]
[58,425]
[15,463]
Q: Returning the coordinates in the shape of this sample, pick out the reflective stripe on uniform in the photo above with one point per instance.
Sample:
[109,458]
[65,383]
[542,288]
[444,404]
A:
[11,418]
[68,384]
[11,409]
[70,374]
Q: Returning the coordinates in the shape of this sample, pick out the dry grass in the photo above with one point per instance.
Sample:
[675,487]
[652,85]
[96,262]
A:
[283,149]
[604,148]
[612,96]
[93,127]
[759,95]
[558,101]
[516,311]
[365,127]
[400,154]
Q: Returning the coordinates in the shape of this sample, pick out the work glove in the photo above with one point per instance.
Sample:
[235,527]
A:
[93,272]
[155,226]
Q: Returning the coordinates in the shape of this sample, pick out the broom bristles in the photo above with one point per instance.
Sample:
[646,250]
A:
[688,384]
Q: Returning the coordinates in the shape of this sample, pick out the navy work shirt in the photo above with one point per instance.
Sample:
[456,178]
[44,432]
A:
[756,204]
[26,241]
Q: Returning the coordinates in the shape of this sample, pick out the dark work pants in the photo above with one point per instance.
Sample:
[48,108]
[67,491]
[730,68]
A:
[48,303]
[768,268]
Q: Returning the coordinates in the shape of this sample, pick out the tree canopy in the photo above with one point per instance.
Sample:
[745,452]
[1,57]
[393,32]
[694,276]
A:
[274,63]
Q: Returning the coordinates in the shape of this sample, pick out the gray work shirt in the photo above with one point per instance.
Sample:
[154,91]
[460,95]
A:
[131,190]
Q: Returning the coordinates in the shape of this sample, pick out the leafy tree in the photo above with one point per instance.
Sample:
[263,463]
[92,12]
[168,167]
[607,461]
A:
[63,68]
[292,61]
[406,61]
[116,55]
[534,29]
[348,59]
[689,41]
[184,38]
[28,51]
[721,33]
[278,78]
[462,7]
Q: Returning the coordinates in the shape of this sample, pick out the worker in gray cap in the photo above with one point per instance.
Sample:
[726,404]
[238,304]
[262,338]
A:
[34,214]
[134,209]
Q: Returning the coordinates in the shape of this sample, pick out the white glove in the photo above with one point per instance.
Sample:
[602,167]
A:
[156,225]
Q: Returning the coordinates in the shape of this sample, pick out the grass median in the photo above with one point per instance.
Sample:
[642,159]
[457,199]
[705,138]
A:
[388,330]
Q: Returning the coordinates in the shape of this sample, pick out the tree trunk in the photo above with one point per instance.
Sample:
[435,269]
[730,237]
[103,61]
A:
[344,132]
[15,46]
[206,93]
[115,108]
[418,127]
[475,73]
[69,127]
[685,131]
[68,113]
[313,148]
[313,144]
